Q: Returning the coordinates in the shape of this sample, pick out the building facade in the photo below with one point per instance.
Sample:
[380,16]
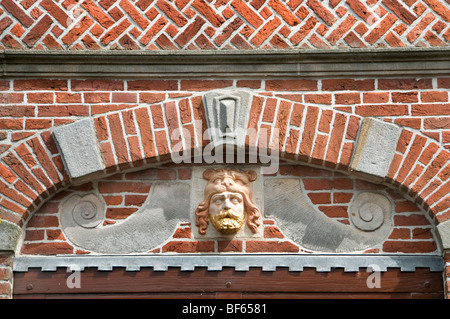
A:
[128,127]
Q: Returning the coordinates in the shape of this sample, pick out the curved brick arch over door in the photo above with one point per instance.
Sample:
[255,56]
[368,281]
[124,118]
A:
[136,137]
[33,170]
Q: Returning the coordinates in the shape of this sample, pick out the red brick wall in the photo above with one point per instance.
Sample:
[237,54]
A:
[219,24]
[6,261]
[134,119]
[30,106]
[329,192]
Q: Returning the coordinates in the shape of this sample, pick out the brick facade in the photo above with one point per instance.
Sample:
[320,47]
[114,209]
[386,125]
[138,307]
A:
[136,129]
[318,117]
[6,282]
[229,25]
[330,193]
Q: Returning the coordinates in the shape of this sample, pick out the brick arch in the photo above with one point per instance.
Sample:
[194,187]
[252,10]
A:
[34,170]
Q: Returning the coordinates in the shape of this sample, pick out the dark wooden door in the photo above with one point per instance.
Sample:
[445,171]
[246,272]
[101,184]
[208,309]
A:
[227,283]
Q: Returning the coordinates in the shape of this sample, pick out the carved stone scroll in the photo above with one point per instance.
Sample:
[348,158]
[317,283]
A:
[165,208]
[369,211]
[299,221]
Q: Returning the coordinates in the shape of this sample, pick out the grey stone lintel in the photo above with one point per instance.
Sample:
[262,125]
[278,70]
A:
[9,236]
[77,143]
[288,63]
[322,263]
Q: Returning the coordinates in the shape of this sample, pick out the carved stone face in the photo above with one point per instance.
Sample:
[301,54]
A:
[227,202]
[226,212]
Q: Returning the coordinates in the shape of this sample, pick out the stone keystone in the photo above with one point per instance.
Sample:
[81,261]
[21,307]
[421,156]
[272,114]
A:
[375,149]
[9,236]
[444,234]
[227,113]
[77,143]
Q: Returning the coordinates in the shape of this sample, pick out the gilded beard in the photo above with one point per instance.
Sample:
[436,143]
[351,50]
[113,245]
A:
[226,212]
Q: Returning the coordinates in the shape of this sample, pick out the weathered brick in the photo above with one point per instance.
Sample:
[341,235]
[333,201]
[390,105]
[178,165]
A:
[382,110]
[382,27]
[434,96]
[63,110]
[184,232]
[204,85]
[320,198]
[106,187]
[13,162]
[439,8]
[114,32]
[247,13]
[204,9]
[336,138]
[188,246]
[40,84]
[117,137]
[253,246]
[343,28]
[171,13]
[420,27]
[400,11]
[436,123]
[321,11]
[443,83]
[404,97]
[430,109]
[53,248]
[411,157]
[43,221]
[318,98]
[191,31]
[56,12]
[266,31]
[291,85]
[309,132]
[347,85]
[134,14]
[97,85]
[409,246]
[12,7]
[285,13]
[97,13]
[75,33]
[229,246]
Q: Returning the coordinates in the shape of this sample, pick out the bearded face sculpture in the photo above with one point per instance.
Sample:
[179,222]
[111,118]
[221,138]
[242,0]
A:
[228,202]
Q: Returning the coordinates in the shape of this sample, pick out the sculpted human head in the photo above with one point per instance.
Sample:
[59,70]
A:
[227,202]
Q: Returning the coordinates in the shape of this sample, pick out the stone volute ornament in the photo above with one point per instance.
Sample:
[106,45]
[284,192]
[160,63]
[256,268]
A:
[228,202]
